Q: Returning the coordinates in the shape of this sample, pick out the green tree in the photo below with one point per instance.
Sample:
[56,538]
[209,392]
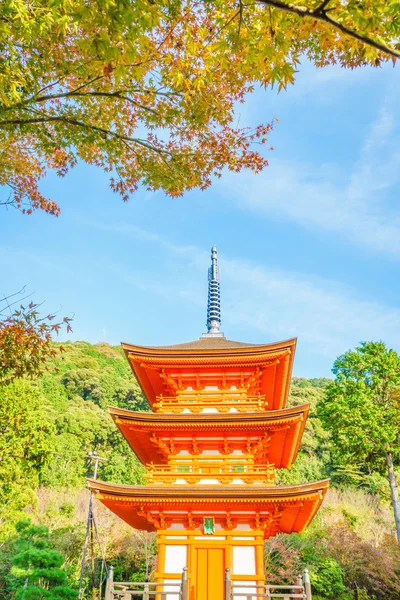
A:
[148,90]
[361,409]
[80,384]
[26,442]
[314,457]
[37,570]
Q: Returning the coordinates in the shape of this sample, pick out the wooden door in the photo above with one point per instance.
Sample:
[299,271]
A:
[209,573]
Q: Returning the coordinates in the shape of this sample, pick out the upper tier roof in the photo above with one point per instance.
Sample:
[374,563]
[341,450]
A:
[207,343]
[215,363]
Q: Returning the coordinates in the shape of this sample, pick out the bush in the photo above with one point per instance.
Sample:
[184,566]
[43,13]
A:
[366,567]
[327,579]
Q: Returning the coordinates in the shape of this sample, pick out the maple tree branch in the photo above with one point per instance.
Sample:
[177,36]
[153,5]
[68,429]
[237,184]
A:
[9,202]
[240,16]
[238,13]
[10,304]
[53,83]
[321,14]
[75,93]
[77,123]
[113,95]
[321,7]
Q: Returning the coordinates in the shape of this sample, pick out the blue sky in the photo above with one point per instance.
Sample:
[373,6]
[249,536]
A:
[309,248]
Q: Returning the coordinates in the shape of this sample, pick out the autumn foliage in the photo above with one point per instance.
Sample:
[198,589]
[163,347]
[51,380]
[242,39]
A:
[26,341]
[367,567]
[149,91]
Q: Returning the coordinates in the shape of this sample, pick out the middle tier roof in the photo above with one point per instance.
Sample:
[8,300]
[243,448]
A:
[274,436]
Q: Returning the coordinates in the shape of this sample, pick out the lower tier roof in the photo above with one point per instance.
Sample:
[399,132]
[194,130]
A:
[272,436]
[280,509]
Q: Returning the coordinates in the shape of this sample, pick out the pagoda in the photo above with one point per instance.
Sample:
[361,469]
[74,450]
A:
[218,431]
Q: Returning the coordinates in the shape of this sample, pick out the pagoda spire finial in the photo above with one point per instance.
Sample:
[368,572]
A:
[213,304]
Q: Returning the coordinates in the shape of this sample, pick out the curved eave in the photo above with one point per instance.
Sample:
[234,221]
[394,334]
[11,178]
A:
[146,360]
[140,506]
[185,351]
[285,427]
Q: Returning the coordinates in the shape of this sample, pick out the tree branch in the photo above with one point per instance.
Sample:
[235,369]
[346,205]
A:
[9,202]
[321,14]
[114,95]
[84,126]
[321,8]
[75,93]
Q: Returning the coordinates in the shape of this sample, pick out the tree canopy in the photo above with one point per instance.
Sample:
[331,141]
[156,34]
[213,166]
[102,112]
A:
[361,411]
[149,90]
[26,443]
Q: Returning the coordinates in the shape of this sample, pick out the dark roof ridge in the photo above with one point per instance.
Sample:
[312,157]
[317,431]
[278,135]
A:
[206,490]
[212,343]
[220,417]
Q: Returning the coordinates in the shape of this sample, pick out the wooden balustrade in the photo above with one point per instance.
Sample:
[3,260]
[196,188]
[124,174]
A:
[179,590]
[238,590]
[224,469]
[212,394]
[195,402]
[146,590]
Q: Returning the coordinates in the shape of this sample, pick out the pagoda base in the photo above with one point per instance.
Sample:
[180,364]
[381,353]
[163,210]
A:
[209,528]
[207,557]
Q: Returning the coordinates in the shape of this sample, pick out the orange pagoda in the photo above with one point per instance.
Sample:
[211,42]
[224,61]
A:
[219,430]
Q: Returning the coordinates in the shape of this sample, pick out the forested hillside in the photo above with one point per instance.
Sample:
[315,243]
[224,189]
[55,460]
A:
[48,427]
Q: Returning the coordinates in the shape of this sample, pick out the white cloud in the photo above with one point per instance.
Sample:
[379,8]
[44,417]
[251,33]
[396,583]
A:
[326,315]
[269,304]
[329,198]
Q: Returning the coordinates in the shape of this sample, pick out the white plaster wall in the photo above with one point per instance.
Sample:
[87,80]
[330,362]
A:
[249,591]
[243,527]
[175,558]
[171,589]
[244,560]
[209,482]
[177,526]
[212,538]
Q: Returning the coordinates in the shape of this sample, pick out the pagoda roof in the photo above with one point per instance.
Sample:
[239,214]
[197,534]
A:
[148,433]
[286,509]
[209,343]
[157,367]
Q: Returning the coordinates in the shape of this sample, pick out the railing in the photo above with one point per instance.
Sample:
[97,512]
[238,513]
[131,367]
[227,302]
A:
[179,590]
[251,591]
[223,402]
[225,470]
[146,590]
